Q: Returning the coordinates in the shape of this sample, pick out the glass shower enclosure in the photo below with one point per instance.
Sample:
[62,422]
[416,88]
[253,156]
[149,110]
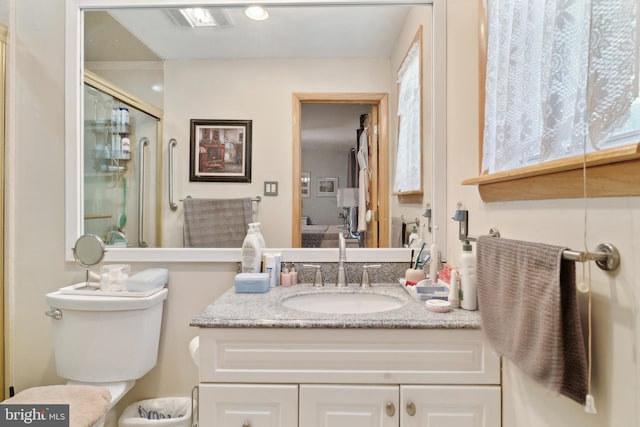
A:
[121,173]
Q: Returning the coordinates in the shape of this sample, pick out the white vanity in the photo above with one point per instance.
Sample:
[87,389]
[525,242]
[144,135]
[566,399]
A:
[262,364]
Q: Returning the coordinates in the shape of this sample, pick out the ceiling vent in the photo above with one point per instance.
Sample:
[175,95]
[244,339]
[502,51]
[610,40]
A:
[220,17]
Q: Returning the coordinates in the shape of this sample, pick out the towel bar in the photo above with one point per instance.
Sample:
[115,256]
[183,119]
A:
[256,199]
[606,256]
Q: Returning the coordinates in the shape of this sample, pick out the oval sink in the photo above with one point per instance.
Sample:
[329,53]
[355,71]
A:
[335,303]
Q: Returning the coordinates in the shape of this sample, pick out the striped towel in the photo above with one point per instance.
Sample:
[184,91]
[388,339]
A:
[529,312]
[216,223]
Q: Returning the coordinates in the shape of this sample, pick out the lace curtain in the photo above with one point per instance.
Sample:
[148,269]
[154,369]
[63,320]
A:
[408,175]
[560,74]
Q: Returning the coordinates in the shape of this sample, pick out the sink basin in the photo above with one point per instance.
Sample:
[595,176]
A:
[340,303]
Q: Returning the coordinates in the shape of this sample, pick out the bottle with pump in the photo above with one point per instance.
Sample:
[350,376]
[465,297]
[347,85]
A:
[468,292]
[251,252]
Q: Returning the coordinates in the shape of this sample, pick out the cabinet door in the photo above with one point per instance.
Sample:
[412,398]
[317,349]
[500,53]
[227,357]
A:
[450,406]
[348,406]
[251,405]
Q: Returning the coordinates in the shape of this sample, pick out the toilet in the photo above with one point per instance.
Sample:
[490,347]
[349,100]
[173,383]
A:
[104,340]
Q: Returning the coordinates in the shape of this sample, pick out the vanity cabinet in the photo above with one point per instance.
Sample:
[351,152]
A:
[311,377]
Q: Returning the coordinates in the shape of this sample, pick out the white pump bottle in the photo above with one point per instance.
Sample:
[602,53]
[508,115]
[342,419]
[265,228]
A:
[468,290]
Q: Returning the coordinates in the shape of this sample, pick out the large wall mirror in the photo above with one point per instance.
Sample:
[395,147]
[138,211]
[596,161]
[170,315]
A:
[231,86]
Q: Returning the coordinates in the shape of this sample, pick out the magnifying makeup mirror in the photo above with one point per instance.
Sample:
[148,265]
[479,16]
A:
[88,251]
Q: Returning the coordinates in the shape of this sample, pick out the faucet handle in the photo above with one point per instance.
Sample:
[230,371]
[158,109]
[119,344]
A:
[318,281]
[365,281]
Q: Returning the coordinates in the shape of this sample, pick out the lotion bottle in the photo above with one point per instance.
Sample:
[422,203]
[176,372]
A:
[251,253]
[434,263]
[125,147]
[454,290]
[468,292]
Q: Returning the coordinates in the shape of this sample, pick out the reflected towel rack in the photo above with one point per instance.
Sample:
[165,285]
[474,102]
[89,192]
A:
[606,255]
[256,199]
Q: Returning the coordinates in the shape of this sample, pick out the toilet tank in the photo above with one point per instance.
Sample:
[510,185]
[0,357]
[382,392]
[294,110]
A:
[106,338]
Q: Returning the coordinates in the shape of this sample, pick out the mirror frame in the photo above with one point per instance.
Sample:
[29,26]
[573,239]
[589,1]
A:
[74,206]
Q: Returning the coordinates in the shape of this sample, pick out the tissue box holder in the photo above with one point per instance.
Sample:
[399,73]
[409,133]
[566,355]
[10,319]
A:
[251,283]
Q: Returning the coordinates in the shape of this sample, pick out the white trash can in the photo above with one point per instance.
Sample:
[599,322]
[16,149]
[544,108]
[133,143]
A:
[160,412]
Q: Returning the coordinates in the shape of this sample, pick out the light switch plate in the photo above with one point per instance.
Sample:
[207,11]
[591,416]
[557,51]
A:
[271,188]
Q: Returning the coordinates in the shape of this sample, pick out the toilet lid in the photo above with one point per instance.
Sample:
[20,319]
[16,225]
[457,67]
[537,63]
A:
[63,300]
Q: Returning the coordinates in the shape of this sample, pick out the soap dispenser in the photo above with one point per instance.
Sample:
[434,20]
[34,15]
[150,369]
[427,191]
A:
[468,292]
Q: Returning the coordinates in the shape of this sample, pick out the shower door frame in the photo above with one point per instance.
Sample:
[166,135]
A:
[125,97]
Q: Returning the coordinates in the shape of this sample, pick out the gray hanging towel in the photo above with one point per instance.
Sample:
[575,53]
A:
[216,223]
[529,312]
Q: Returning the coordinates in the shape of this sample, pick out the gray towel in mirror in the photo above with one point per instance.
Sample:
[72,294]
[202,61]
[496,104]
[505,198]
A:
[216,223]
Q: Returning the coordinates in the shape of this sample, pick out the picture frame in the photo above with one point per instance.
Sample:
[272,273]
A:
[220,150]
[305,184]
[327,187]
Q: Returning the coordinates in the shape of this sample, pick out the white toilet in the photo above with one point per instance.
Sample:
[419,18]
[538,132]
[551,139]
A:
[108,341]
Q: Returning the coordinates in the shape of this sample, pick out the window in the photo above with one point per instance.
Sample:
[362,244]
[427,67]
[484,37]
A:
[408,174]
[560,92]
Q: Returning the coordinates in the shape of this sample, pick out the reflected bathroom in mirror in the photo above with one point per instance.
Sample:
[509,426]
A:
[246,70]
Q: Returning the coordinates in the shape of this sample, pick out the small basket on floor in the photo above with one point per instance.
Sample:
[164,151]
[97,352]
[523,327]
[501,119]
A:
[163,411]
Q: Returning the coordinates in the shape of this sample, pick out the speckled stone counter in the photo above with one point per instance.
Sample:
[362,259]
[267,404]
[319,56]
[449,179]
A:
[234,310]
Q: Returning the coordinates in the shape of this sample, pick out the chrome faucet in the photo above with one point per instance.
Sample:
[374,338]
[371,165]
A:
[341,281]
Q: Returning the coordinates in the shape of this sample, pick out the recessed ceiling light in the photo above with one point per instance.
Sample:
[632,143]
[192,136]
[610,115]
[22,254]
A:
[257,13]
[198,17]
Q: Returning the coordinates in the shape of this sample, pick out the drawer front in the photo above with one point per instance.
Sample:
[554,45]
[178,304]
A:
[257,405]
[348,406]
[462,406]
[404,356]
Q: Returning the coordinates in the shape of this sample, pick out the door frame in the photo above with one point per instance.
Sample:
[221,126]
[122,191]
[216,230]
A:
[381,101]
[4,337]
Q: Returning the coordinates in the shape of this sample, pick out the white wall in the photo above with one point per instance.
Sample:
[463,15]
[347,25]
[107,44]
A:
[616,295]
[261,91]
[333,163]
[35,217]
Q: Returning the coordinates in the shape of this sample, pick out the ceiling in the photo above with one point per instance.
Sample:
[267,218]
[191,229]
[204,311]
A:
[290,32]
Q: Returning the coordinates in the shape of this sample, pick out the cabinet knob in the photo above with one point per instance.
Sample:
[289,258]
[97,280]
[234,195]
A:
[391,409]
[411,409]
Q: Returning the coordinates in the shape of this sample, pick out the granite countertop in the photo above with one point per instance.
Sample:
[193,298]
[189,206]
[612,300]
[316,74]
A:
[246,310]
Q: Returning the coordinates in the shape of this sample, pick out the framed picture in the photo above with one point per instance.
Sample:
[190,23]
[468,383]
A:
[220,151]
[305,184]
[327,187]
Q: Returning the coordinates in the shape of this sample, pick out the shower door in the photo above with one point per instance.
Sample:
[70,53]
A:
[121,178]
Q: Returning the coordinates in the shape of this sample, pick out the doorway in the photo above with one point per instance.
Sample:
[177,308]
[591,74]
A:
[377,224]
